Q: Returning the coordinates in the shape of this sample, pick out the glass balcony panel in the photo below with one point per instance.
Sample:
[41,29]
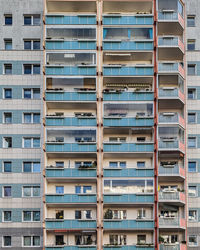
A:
[128,198]
[128,172]
[128,224]
[129,96]
[70,45]
[70,172]
[128,71]
[69,96]
[128,147]
[113,45]
[84,19]
[82,224]
[71,198]
[127,20]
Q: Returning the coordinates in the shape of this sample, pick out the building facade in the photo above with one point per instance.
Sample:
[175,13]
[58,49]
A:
[93,124]
[21,58]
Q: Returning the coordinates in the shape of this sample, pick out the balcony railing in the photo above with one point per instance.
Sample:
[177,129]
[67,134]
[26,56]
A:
[70,224]
[70,121]
[128,172]
[170,16]
[171,171]
[130,247]
[175,118]
[128,122]
[170,93]
[128,224]
[175,246]
[69,96]
[82,70]
[70,198]
[70,172]
[170,42]
[128,198]
[171,196]
[88,247]
[127,20]
[129,96]
[119,70]
[70,45]
[78,19]
[128,147]
[70,147]
[171,145]
[129,45]
[171,68]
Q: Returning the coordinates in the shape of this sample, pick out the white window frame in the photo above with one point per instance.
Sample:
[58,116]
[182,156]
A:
[32,15]
[195,114]
[32,41]
[3,216]
[4,68]
[3,241]
[196,194]
[196,166]
[196,215]
[31,187]
[31,216]
[189,241]
[32,163]
[194,137]
[4,117]
[3,192]
[31,89]
[32,66]
[32,115]
[32,138]
[31,240]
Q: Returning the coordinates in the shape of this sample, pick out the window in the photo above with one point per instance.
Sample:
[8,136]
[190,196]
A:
[141,164]
[192,215]
[84,214]
[7,241]
[141,214]
[8,118]
[31,118]
[59,214]
[192,166]
[83,189]
[191,21]
[31,69]
[115,164]
[191,94]
[191,117]
[190,44]
[7,142]
[7,216]
[32,44]
[31,142]
[191,142]
[31,191]
[117,239]
[59,189]
[7,167]
[32,93]
[33,167]
[7,93]
[192,191]
[8,19]
[191,68]
[8,44]
[32,20]
[60,240]
[192,240]
[7,69]
[7,191]
[31,215]
[141,239]
[31,241]
[60,164]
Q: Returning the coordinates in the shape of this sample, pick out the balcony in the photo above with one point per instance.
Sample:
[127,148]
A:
[171,171]
[128,172]
[171,93]
[53,172]
[173,222]
[128,224]
[128,122]
[90,247]
[128,147]
[70,198]
[70,147]
[128,198]
[170,145]
[128,96]
[171,16]
[130,247]
[129,45]
[168,43]
[71,20]
[114,19]
[120,70]
[171,118]
[171,246]
[81,70]
[56,95]
[51,224]
[70,121]
[171,68]
[59,44]
[172,197]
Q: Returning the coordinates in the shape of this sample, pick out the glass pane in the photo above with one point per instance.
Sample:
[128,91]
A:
[7,216]
[77,214]
[7,167]
[27,45]
[87,189]
[8,20]
[36,142]
[27,240]
[36,93]
[27,69]
[27,167]
[8,118]
[8,69]
[27,93]
[36,45]
[27,191]
[27,20]
[27,118]
[7,241]
[27,142]
[36,191]
[27,215]
[36,20]
[8,45]
[36,167]
[8,93]
[36,69]
[192,167]
[36,118]
[59,190]
[36,240]
[36,215]
[7,191]
[78,189]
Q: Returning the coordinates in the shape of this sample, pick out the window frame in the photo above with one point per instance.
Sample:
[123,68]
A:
[31,237]
[4,93]
[7,40]
[3,191]
[3,216]
[194,93]
[6,66]
[31,187]
[32,114]
[8,16]
[4,141]
[32,142]
[32,216]
[4,117]
[195,117]
[32,16]
[3,240]
[191,17]
[192,43]
[10,162]
[192,137]
[195,166]
[32,166]
[190,65]
[196,191]
[194,210]
[192,235]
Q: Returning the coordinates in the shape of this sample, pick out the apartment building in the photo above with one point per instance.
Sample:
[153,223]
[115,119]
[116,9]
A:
[193,111]
[21,79]
[114,125]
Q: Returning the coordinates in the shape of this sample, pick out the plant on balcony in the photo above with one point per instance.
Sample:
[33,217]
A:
[161,239]
[108,214]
